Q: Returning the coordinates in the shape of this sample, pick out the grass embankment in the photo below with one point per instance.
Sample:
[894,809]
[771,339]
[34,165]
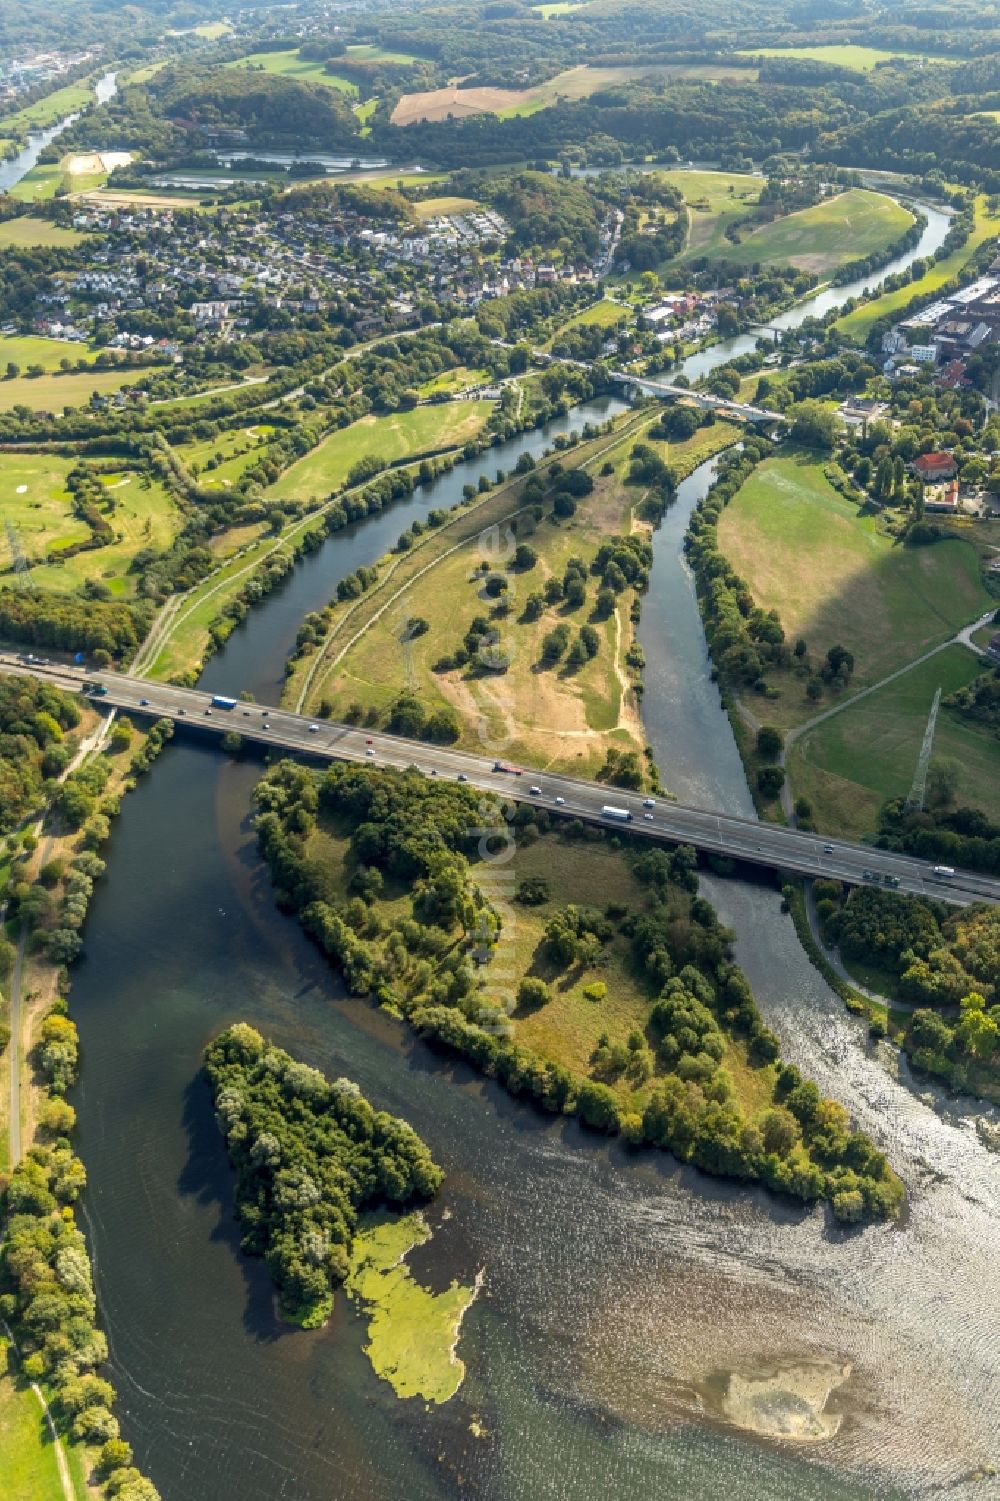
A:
[858,323]
[140,512]
[28,1467]
[849,765]
[825,236]
[835,578]
[392,437]
[412,1331]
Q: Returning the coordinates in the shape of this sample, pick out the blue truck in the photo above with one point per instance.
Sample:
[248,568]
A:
[220,701]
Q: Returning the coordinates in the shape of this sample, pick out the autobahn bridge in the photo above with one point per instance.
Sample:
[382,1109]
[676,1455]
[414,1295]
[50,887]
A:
[661,819]
[709,402]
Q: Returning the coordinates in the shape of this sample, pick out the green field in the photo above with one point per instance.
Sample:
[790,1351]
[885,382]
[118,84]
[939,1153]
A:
[237,450]
[823,237]
[430,208]
[835,578]
[42,182]
[849,765]
[369,53]
[28,1469]
[714,200]
[29,231]
[290,65]
[50,393]
[39,505]
[390,437]
[75,96]
[33,349]
[858,323]
[848,55]
[581,81]
[606,314]
[455,380]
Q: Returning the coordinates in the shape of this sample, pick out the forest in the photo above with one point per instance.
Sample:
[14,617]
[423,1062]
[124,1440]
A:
[309,1156]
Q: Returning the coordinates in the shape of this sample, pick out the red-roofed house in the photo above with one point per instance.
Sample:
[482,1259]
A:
[935,467]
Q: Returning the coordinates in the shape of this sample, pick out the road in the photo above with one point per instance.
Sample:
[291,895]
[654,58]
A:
[744,839]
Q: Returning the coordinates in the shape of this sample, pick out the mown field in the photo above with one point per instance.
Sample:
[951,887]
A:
[290,65]
[52,392]
[30,232]
[391,437]
[28,1468]
[40,506]
[606,314]
[835,578]
[826,236]
[845,55]
[75,96]
[713,200]
[848,766]
[230,453]
[31,349]
[430,208]
[858,324]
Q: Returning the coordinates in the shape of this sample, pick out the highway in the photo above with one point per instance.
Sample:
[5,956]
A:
[658,819]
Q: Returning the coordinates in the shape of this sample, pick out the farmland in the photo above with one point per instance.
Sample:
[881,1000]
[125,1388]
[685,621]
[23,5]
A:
[834,577]
[32,349]
[825,236]
[390,437]
[849,765]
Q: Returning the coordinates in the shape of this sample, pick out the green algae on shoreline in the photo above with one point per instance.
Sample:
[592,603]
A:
[412,1331]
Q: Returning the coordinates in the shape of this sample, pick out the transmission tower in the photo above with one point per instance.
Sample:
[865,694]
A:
[915,801]
[22,568]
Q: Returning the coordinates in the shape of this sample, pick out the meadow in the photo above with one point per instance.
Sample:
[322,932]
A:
[27,231]
[234,451]
[825,236]
[846,55]
[33,349]
[47,111]
[52,392]
[605,314]
[290,65]
[390,437]
[834,577]
[28,1468]
[858,323]
[713,200]
[852,763]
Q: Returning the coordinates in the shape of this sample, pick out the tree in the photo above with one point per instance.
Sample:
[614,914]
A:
[770,742]
[525,557]
[943,777]
[770,780]
[814,424]
[533,993]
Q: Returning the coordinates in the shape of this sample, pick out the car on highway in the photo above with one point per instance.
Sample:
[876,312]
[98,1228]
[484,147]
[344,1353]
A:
[648,817]
[265,726]
[209,713]
[648,802]
[828,849]
[314,729]
[180,711]
[143,702]
[369,741]
[560,802]
[535,791]
[369,752]
[462,777]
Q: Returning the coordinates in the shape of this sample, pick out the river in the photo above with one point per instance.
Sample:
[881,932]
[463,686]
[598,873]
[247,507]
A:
[616,1283]
[19,166]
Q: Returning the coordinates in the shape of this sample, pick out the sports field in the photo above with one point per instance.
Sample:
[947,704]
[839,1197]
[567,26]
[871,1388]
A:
[38,503]
[29,231]
[290,65]
[826,236]
[858,323]
[389,437]
[834,578]
[847,55]
[849,765]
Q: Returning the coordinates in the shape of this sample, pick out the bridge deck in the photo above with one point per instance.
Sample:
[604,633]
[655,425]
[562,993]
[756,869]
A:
[741,838]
